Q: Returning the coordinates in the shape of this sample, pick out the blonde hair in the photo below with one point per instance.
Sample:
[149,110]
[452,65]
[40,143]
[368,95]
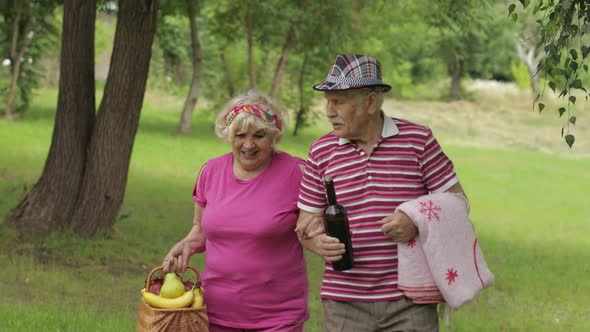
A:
[243,121]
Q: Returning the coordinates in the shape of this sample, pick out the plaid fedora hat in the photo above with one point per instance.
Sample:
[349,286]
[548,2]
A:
[352,71]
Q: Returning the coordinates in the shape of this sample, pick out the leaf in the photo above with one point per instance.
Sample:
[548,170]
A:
[570,139]
[585,51]
[576,84]
[572,99]
[574,66]
[541,107]
[380,6]
[514,17]
[585,67]
[561,131]
[573,120]
[511,9]
[574,53]
[561,111]
[563,93]
[552,85]
[525,3]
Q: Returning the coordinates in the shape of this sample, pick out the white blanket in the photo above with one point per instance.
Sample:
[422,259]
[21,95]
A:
[444,263]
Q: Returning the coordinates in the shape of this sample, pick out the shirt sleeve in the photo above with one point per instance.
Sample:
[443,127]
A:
[311,192]
[199,187]
[437,169]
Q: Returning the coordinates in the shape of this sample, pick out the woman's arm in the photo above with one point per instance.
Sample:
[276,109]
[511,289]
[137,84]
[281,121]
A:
[178,257]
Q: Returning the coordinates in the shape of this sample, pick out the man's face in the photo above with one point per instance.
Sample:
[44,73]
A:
[347,112]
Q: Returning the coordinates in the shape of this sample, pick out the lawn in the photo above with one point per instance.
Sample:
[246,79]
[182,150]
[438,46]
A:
[527,204]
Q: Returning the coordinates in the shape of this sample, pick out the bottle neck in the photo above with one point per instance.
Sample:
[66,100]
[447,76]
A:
[331,192]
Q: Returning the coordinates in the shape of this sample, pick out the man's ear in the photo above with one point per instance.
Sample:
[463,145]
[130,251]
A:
[371,102]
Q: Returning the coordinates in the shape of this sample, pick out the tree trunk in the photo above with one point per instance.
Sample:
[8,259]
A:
[456,72]
[229,82]
[280,69]
[109,152]
[250,32]
[300,117]
[191,99]
[526,53]
[263,67]
[15,63]
[50,203]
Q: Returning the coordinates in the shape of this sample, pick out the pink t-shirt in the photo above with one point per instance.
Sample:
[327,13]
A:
[255,273]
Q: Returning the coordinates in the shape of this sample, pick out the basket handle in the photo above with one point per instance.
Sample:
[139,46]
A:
[159,267]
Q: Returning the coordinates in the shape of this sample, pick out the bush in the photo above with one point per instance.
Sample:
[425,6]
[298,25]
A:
[520,74]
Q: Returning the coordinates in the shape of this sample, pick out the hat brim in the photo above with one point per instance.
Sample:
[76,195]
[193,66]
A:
[331,86]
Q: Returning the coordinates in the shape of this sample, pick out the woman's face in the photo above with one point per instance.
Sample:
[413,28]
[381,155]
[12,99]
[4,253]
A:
[252,149]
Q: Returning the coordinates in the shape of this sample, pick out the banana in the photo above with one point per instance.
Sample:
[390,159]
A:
[157,301]
[198,302]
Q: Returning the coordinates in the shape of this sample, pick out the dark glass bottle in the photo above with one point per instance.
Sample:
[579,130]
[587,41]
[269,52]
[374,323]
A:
[336,224]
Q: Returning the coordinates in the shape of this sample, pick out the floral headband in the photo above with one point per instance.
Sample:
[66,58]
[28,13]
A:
[262,112]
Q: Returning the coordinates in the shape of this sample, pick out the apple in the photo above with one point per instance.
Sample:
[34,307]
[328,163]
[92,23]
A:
[155,285]
[188,285]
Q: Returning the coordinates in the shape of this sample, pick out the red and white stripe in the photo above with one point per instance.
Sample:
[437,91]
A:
[407,163]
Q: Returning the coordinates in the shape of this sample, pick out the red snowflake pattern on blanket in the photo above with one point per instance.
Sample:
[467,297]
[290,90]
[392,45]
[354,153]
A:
[452,275]
[430,210]
[412,243]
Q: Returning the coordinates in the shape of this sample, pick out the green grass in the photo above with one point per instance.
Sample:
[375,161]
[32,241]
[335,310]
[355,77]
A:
[529,209]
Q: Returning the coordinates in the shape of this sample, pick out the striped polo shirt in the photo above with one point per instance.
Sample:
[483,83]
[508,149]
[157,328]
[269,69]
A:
[407,162]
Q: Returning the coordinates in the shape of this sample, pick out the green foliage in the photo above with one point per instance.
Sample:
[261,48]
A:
[104,34]
[37,36]
[563,32]
[64,283]
[520,74]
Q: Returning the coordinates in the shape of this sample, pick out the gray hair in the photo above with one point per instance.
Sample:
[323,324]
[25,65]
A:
[243,121]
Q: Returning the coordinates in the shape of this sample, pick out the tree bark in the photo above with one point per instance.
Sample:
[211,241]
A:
[229,82]
[250,32]
[15,63]
[456,71]
[49,205]
[193,95]
[109,152]
[300,117]
[526,53]
[280,69]
[263,64]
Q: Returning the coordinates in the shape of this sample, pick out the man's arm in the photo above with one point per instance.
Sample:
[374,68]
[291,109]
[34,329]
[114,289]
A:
[400,228]
[457,188]
[311,234]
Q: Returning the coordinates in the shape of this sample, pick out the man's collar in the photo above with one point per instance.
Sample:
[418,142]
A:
[389,129]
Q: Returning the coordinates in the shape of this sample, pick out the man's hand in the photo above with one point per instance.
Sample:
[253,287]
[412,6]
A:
[328,248]
[309,225]
[399,227]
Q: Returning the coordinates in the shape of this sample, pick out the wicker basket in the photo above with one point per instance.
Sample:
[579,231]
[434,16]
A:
[152,319]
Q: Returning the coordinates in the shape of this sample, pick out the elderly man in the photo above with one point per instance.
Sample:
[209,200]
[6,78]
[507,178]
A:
[377,163]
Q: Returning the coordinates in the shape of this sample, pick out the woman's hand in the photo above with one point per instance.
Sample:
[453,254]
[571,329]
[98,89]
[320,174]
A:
[179,256]
[309,225]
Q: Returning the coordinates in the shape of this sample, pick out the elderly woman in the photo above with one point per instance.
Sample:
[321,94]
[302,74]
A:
[255,276]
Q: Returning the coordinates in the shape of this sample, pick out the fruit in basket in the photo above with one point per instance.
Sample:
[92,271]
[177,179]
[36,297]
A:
[156,301]
[156,285]
[188,285]
[172,286]
[198,301]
